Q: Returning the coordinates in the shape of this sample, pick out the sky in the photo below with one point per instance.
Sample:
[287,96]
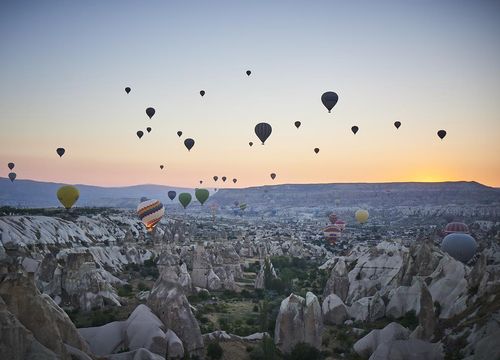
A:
[430,64]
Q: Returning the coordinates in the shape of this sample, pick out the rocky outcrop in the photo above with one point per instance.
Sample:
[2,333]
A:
[370,342]
[299,320]
[404,299]
[338,282]
[334,310]
[142,330]
[203,275]
[39,315]
[408,349]
[260,281]
[367,308]
[426,317]
[169,303]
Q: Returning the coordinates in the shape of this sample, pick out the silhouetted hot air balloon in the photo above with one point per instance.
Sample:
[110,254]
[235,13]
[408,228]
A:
[179,133]
[297,124]
[329,99]
[441,134]
[316,150]
[224,179]
[250,143]
[148,129]
[150,212]
[397,124]
[201,181]
[202,93]
[189,143]
[354,129]
[263,130]
[161,167]
[201,195]
[235,180]
[248,72]
[456,227]
[273,176]
[127,89]
[12,176]
[460,246]
[172,194]
[184,199]
[150,112]
[60,151]
[68,195]
[361,216]
[11,165]
[216,178]
[144,198]
[140,134]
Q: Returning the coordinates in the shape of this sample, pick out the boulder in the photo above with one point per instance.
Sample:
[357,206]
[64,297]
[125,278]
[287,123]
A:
[426,317]
[313,321]
[404,299]
[370,342]
[334,310]
[338,282]
[412,349]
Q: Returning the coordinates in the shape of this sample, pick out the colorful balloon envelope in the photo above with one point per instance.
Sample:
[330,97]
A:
[332,234]
[332,217]
[340,224]
[172,194]
[150,212]
[68,195]
[456,227]
[235,180]
[361,216]
[224,179]
[248,72]
[179,133]
[297,124]
[202,93]
[201,195]
[354,129]
[140,134]
[397,124]
[216,178]
[316,150]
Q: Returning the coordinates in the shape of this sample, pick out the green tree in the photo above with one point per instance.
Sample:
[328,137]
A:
[214,351]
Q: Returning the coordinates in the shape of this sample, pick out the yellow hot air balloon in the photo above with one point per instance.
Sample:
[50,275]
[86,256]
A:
[68,195]
[361,216]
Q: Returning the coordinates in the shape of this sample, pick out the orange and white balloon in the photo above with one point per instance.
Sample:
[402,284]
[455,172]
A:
[150,212]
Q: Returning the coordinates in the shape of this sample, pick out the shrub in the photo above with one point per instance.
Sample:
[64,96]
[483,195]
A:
[304,351]
[214,351]
[125,290]
[142,287]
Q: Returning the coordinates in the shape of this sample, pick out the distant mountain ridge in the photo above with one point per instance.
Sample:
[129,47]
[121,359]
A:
[30,193]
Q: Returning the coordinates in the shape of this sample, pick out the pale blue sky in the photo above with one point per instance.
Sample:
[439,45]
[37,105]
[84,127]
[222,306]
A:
[429,64]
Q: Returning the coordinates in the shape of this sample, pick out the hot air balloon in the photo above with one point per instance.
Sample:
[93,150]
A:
[150,212]
[329,99]
[235,180]
[243,206]
[250,143]
[297,124]
[332,217]
[460,246]
[340,224]
[148,129]
[172,194]
[224,179]
[60,151]
[316,150]
[202,93]
[127,89]
[397,124]
[11,165]
[354,129]
[201,195]
[12,176]
[189,143]
[184,199]
[140,134]
[248,72]
[150,112]
[361,216]
[332,234]
[216,178]
[68,195]
[441,134]
[273,176]
[337,202]
[161,167]
[179,133]
[144,198]
[201,181]
[263,130]
[456,227]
